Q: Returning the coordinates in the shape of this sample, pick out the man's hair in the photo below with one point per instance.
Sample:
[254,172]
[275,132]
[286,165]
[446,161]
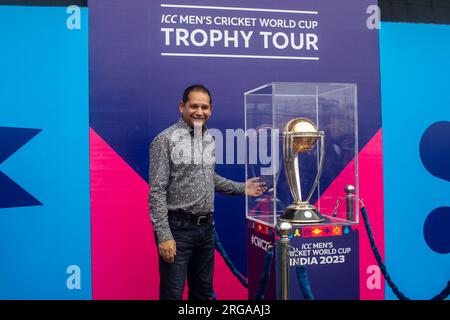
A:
[196,87]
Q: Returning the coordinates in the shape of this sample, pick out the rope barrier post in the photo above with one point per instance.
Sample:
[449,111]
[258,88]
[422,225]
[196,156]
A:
[350,202]
[284,229]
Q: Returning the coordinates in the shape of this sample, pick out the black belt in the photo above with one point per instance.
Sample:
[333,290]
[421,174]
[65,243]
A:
[203,218]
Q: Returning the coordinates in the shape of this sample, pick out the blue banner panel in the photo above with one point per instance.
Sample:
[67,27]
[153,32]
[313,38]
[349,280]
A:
[44,120]
[415,67]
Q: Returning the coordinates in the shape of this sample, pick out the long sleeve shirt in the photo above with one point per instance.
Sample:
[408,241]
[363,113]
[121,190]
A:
[182,175]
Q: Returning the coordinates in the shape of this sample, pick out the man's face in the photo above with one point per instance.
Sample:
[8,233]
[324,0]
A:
[197,110]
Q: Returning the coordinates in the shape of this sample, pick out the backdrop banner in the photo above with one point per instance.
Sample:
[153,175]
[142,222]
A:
[142,56]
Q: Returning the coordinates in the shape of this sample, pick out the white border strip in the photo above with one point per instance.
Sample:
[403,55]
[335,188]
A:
[165,5]
[170,54]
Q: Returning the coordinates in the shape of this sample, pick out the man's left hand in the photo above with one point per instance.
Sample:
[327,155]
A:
[254,187]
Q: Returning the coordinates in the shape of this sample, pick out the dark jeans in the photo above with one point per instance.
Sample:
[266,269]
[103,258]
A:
[194,260]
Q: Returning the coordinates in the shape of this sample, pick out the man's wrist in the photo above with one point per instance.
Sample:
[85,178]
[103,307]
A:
[164,236]
[241,188]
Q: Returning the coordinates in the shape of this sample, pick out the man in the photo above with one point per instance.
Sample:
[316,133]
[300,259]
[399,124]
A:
[181,200]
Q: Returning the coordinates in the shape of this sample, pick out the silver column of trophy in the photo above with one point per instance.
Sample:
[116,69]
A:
[300,136]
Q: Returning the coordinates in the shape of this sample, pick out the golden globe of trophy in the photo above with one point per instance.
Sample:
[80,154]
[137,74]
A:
[300,135]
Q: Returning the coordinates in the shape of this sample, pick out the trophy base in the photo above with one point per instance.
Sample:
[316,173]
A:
[304,213]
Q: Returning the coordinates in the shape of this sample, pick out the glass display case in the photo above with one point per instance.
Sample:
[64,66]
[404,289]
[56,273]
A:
[302,141]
